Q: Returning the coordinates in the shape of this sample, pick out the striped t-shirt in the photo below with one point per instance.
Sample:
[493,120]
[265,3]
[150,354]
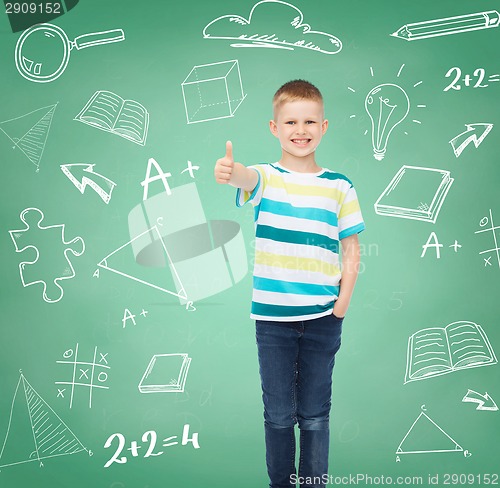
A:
[299,220]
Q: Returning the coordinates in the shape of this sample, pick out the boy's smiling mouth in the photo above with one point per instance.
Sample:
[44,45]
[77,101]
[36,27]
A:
[301,142]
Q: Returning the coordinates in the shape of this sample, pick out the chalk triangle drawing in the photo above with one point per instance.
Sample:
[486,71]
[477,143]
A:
[425,436]
[29,132]
[150,234]
[35,431]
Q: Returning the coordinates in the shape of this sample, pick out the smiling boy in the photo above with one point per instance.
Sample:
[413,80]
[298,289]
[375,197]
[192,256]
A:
[302,213]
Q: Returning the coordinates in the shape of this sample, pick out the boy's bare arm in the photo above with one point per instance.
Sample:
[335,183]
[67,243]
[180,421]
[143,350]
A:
[226,171]
[350,269]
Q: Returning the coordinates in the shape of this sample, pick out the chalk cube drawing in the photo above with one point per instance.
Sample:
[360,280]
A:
[212,91]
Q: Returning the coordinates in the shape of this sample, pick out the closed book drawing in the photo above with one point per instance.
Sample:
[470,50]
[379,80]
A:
[165,373]
[415,193]
[436,351]
[111,113]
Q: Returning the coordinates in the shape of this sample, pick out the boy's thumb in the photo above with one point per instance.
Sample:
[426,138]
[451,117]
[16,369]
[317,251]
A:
[229,150]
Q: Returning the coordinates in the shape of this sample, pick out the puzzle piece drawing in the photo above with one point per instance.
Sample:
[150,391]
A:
[50,262]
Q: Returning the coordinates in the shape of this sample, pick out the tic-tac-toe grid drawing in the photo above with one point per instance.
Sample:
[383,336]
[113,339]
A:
[487,225]
[83,374]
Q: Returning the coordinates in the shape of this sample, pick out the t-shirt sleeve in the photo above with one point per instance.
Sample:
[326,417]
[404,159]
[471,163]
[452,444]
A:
[350,218]
[255,196]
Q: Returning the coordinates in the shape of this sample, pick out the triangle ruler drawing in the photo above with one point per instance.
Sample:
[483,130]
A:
[425,436]
[29,132]
[122,262]
[35,431]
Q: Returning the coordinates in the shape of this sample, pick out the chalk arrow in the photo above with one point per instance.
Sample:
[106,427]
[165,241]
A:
[475,133]
[485,402]
[83,174]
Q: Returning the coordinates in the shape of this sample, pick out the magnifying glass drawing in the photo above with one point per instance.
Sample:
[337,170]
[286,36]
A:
[43,51]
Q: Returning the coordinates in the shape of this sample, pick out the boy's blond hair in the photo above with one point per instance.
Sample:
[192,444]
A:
[295,90]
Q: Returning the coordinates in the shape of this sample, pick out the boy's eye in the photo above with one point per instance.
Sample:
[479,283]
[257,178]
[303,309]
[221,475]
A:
[292,122]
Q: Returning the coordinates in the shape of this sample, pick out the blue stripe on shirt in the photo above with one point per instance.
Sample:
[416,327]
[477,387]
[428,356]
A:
[331,175]
[288,210]
[297,288]
[267,310]
[239,190]
[277,168]
[355,229]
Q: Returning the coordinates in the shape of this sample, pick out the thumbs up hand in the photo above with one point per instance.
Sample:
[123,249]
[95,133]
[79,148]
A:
[224,166]
[226,171]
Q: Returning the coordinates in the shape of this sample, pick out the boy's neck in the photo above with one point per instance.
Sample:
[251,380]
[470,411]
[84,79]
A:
[306,164]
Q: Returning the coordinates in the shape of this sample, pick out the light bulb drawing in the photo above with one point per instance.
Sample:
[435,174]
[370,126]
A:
[387,105]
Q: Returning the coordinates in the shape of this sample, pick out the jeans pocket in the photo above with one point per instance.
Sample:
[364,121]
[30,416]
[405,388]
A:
[338,318]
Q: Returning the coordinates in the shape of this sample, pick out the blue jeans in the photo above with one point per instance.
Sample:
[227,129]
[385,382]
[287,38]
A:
[296,362]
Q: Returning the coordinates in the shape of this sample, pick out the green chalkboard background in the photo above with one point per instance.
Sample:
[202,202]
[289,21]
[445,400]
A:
[398,291]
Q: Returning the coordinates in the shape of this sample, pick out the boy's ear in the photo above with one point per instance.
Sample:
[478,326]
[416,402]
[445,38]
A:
[324,125]
[273,127]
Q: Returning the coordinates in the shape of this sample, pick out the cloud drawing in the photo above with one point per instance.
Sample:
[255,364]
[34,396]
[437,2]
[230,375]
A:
[272,23]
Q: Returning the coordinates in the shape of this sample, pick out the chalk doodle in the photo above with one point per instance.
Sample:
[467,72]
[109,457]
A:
[128,315]
[84,374]
[190,168]
[51,259]
[288,30]
[134,272]
[160,175]
[387,105]
[433,243]
[415,193]
[83,175]
[441,350]
[212,91]
[475,133]
[151,438]
[165,373]
[448,25]
[43,51]
[37,428]
[426,436]
[109,112]
[484,402]
[163,176]
[29,132]
[479,73]
[493,229]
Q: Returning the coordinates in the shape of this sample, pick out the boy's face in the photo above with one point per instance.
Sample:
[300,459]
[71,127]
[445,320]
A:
[299,126]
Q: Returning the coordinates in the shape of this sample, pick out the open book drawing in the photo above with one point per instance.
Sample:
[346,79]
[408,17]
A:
[415,193]
[165,373]
[436,351]
[110,112]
